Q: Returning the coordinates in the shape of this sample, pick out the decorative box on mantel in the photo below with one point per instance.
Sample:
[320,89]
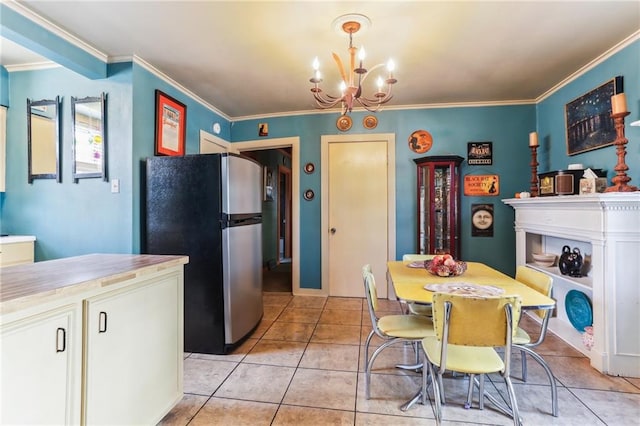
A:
[606,229]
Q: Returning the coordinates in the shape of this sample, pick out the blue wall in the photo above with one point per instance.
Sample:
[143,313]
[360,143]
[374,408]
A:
[70,219]
[551,122]
[507,127]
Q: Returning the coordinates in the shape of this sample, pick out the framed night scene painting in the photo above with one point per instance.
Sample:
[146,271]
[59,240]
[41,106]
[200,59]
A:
[588,118]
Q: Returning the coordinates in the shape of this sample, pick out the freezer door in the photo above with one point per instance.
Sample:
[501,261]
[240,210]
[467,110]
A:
[241,185]
[242,278]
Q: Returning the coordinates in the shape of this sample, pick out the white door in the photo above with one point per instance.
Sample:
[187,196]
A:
[358,208]
[211,144]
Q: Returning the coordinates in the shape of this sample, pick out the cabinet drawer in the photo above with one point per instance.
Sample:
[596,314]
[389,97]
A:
[16,253]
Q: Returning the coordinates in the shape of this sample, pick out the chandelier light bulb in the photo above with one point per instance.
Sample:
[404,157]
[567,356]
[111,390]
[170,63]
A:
[343,86]
[379,82]
[391,66]
[316,64]
[361,54]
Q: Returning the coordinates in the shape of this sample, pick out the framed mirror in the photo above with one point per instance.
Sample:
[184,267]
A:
[89,137]
[43,137]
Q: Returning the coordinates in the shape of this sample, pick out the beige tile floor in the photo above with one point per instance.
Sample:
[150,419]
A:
[304,366]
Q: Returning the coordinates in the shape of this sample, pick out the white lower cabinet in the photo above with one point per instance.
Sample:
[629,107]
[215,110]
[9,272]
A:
[133,350]
[40,368]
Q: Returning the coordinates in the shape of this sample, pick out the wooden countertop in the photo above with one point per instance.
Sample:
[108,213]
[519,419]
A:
[30,284]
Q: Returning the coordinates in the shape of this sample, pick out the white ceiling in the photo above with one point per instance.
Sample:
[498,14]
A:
[250,58]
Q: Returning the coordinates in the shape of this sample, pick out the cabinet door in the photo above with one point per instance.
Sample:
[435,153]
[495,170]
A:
[41,369]
[133,356]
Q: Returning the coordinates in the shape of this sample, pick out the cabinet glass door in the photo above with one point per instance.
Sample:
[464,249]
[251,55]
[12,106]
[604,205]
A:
[438,200]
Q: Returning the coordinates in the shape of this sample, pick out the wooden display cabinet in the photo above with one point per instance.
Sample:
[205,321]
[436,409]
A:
[438,192]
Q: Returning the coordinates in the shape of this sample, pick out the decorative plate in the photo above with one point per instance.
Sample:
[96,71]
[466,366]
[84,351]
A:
[420,141]
[309,194]
[309,168]
[465,289]
[578,307]
[344,123]
[370,122]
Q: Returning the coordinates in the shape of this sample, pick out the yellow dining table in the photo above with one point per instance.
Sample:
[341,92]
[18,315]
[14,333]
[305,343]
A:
[409,283]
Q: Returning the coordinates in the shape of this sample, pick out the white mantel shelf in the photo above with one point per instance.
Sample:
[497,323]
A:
[606,228]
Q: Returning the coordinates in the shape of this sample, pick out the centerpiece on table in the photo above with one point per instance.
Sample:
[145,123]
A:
[444,265]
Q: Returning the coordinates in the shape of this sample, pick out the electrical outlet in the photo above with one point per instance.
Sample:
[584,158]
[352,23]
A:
[115,186]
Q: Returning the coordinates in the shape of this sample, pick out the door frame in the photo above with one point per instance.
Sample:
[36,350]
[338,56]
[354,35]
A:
[325,140]
[285,172]
[294,144]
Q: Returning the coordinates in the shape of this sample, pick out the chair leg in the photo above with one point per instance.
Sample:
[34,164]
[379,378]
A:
[437,396]
[513,402]
[481,392]
[552,379]
[469,402]
[523,357]
[369,365]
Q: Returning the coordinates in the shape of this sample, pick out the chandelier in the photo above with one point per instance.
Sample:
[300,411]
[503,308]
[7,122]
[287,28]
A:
[352,83]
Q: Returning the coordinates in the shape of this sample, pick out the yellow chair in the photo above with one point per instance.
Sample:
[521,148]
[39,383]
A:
[412,307]
[541,283]
[390,328]
[467,331]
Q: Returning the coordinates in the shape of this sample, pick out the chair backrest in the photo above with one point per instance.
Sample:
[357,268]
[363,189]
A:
[475,321]
[371,293]
[413,257]
[539,281]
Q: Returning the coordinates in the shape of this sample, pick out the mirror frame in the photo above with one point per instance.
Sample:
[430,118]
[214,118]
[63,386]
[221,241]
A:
[102,100]
[44,103]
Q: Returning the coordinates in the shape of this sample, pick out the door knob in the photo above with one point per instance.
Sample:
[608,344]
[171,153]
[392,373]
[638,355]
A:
[333,231]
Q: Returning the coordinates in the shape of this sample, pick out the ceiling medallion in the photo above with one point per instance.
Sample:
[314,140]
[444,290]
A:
[351,86]
[420,141]
[344,123]
[370,122]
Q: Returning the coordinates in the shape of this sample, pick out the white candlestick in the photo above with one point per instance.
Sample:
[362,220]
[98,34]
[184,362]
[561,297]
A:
[619,103]
[533,139]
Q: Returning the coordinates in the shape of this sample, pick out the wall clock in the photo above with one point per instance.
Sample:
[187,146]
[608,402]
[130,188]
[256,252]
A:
[420,141]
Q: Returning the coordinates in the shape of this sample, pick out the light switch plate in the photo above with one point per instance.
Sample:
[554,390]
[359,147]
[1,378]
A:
[115,186]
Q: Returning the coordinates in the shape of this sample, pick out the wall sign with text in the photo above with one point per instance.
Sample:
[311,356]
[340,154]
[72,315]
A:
[480,153]
[482,185]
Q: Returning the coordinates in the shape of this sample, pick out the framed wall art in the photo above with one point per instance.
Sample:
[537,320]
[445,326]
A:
[482,220]
[268,184]
[588,118]
[480,153]
[171,120]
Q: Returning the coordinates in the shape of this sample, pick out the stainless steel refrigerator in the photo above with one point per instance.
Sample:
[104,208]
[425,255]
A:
[209,207]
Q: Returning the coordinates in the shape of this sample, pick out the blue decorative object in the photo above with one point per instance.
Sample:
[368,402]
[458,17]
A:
[578,307]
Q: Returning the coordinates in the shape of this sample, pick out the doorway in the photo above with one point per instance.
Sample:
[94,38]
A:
[276,218]
[358,211]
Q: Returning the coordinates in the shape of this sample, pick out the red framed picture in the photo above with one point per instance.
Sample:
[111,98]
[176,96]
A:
[171,119]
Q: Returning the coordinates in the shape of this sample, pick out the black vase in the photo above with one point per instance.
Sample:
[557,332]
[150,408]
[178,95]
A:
[570,262]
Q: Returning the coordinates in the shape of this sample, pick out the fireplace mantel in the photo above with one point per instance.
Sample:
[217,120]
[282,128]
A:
[606,229]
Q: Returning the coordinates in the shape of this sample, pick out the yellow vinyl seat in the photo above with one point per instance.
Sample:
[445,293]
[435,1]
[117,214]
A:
[390,328]
[467,331]
[542,283]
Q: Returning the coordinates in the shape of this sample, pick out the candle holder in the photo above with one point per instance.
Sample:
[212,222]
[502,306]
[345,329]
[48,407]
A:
[534,170]
[621,179]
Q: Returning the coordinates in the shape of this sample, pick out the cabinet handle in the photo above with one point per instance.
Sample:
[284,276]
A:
[102,322]
[61,337]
